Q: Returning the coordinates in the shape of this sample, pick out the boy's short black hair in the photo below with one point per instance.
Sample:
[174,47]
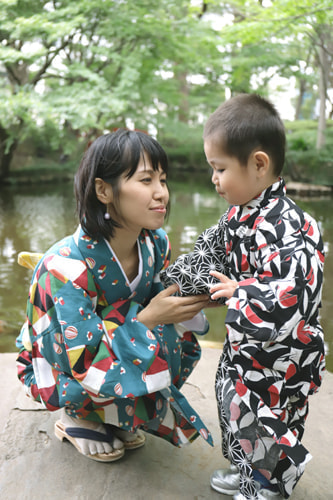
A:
[245,123]
[110,157]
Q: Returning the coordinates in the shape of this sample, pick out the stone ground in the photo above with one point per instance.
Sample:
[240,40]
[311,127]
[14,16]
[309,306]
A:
[34,465]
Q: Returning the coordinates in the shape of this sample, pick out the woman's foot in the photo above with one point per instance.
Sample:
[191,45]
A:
[131,440]
[92,439]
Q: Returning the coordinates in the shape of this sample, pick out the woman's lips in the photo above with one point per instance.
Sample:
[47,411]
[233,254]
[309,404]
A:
[160,209]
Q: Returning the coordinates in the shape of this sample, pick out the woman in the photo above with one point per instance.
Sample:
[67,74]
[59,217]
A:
[103,341]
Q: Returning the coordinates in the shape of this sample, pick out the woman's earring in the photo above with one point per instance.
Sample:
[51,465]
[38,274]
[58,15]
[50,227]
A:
[107,216]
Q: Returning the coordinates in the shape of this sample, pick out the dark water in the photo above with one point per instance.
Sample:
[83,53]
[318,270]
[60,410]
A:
[33,218]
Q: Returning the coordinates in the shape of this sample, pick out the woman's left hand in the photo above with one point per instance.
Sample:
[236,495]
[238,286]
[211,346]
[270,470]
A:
[166,308]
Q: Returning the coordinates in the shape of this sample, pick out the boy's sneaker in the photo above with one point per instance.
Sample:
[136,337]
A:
[266,494]
[263,494]
[225,480]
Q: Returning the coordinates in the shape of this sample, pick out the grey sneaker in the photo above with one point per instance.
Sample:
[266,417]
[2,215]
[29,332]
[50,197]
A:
[265,494]
[225,480]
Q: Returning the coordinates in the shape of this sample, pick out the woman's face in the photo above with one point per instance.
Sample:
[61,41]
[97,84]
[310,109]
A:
[142,199]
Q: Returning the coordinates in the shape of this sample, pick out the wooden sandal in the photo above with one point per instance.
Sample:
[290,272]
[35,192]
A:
[70,433]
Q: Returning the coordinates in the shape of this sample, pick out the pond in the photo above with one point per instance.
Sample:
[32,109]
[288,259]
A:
[34,217]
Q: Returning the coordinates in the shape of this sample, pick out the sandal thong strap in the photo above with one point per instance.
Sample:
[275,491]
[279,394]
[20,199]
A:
[81,432]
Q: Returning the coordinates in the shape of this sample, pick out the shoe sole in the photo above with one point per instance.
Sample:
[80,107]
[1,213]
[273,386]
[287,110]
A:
[224,491]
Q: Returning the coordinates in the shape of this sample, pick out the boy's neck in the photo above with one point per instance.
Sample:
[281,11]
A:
[264,186]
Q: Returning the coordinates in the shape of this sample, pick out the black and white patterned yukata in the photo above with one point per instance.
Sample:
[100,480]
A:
[191,271]
[273,355]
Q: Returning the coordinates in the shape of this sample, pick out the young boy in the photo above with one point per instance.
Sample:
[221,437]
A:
[273,355]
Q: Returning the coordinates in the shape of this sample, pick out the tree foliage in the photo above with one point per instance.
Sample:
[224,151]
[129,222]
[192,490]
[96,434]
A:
[75,69]
[287,38]
[92,65]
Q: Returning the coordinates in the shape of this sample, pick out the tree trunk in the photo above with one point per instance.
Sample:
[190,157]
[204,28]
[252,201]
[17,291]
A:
[299,102]
[323,67]
[183,114]
[6,153]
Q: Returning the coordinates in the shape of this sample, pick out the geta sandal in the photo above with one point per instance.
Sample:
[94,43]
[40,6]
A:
[70,433]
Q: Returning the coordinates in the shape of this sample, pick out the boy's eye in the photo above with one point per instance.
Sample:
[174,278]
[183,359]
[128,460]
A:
[217,170]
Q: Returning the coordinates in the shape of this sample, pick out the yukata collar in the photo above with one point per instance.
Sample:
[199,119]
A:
[276,190]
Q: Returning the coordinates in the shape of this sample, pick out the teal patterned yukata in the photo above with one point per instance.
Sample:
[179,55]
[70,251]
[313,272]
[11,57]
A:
[92,356]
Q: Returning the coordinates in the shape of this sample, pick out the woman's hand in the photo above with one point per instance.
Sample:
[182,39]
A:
[226,287]
[164,308]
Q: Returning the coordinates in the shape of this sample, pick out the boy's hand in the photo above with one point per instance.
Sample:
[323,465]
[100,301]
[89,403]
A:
[226,288]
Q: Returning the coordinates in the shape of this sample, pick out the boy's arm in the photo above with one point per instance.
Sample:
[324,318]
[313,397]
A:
[192,271]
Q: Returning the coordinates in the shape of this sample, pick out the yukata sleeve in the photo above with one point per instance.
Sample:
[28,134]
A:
[110,354]
[285,290]
[199,323]
[185,331]
[26,373]
[191,271]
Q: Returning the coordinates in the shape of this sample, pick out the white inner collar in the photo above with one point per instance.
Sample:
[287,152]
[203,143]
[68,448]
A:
[134,283]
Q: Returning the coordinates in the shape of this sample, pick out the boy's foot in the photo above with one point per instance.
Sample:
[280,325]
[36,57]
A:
[92,439]
[225,480]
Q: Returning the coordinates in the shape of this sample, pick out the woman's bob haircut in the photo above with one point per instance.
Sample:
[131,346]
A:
[110,157]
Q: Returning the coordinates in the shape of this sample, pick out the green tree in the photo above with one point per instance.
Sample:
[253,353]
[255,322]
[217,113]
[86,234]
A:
[86,66]
[280,37]
[79,68]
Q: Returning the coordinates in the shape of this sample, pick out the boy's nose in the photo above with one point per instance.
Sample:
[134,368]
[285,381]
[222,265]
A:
[214,178]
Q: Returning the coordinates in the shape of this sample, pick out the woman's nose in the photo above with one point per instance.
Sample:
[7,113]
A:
[160,190]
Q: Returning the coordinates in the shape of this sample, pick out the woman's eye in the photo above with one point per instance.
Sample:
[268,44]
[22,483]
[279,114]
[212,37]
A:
[146,179]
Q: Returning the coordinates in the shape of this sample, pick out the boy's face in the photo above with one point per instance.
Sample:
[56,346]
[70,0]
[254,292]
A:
[236,183]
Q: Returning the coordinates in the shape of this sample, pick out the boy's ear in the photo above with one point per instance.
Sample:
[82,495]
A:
[104,191]
[262,162]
